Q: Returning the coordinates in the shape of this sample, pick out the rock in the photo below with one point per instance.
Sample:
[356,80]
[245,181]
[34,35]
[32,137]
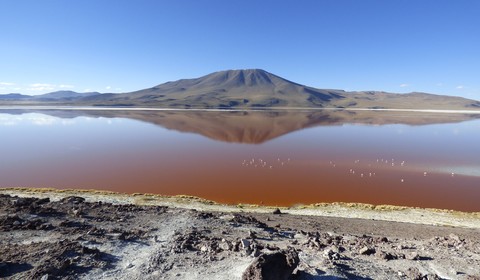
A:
[227,217]
[22,201]
[385,256]
[76,212]
[314,243]
[431,277]
[129,265]
[45,277]
[277,211]
[331,255]
[255,253]
[366,251]
[276,266]
[455,237]
[225,245]
[413,273]
[405,247]
[42,201]
[299,236]
[73,199]
[412,256]
[272,247]
[335,249]
[245,244]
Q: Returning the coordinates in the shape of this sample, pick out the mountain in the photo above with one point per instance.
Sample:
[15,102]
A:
[247,89]
[251,88]
[65,94]
[57,96]
[14,96]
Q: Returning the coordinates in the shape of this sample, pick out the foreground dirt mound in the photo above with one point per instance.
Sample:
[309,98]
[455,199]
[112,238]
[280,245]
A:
[73,238]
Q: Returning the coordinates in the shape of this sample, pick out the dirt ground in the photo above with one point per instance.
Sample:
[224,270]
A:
[70,237]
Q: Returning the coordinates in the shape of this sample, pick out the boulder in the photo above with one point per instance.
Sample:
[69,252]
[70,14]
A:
[276,266]
[366,251]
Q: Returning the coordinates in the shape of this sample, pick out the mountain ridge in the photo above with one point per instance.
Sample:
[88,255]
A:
[244,89]
[55,95]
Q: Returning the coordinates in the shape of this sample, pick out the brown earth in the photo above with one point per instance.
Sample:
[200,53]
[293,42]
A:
[53,236]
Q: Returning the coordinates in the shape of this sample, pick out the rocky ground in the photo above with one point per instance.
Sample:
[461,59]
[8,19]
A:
[74,238]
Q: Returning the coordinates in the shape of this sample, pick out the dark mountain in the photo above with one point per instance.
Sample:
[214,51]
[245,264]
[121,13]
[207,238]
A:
[228,89]
[244,89]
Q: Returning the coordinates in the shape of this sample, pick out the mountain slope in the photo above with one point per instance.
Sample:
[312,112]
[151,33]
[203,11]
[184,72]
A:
[414,100]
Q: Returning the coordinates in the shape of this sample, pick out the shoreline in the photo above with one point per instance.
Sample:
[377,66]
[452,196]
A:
[392,213]
[107,108]
[87,234]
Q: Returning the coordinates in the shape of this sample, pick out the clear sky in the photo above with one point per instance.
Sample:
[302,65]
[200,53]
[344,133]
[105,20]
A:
[119,46]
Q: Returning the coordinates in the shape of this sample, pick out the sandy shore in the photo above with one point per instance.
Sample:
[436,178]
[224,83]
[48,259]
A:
[51,234]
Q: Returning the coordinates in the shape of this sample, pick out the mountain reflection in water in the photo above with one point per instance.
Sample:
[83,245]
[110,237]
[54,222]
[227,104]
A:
[270,157]
[255,127]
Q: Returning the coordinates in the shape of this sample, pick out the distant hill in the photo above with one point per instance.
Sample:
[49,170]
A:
[243,89]
[64,95]
[61,97]
[14,96]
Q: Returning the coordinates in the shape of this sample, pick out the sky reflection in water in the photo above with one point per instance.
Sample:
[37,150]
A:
[281,158]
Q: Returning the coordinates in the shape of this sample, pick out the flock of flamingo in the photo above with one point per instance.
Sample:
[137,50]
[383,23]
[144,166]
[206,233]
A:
[357,169]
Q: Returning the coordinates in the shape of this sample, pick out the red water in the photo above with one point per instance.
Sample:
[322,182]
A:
[310,166]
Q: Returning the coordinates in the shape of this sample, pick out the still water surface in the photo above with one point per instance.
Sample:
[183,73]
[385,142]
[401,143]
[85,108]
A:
[272,158]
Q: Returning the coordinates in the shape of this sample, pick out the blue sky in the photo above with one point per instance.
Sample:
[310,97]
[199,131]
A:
[119,46]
